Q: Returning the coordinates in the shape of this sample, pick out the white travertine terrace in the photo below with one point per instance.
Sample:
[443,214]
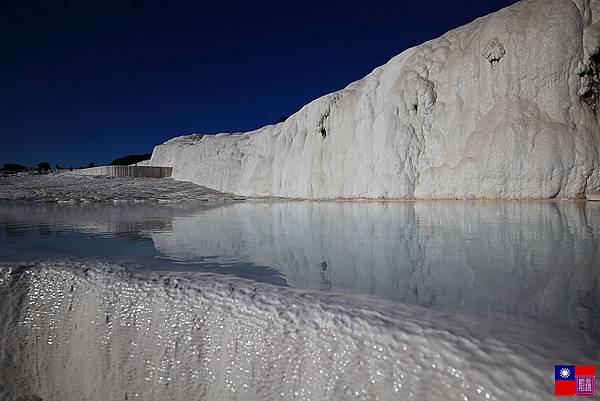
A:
[503,107]
[90,331]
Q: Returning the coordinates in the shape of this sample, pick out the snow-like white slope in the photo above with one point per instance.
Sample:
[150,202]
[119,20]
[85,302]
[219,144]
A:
[84,188]
[502,107]
[91,332]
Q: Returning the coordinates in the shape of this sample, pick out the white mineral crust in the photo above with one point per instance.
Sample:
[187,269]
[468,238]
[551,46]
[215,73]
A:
[92,332]
[503,107]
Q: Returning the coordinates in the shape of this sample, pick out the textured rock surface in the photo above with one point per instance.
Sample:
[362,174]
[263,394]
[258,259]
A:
[79,188]
[90,332]
[503,107]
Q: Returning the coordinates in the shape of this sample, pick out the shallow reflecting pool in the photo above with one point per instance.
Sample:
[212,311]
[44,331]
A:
[539,260]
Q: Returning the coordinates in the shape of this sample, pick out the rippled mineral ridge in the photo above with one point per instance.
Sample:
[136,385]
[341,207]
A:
[503,107]
[73,331]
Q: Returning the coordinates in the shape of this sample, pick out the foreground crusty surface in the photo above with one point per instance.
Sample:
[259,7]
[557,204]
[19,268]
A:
[504,107]
[91,331]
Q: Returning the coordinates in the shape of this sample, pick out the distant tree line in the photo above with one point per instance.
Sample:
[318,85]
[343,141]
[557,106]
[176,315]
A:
[42,168]
[131,159]
[45,167]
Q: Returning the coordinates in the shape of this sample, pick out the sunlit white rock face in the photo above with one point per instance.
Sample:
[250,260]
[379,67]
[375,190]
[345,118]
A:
[502,107]
[75,331]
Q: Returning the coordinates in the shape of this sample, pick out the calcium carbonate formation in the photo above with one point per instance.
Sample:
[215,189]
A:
[503,107]
[90,331]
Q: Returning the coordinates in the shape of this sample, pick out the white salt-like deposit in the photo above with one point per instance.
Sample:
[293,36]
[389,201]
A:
[91,331]
[70,187]
[504,107]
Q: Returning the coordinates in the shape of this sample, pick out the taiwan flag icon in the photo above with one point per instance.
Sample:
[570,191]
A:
[572,380]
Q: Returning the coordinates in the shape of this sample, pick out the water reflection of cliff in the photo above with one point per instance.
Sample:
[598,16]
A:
[133,219]
[537,259]
[32,232]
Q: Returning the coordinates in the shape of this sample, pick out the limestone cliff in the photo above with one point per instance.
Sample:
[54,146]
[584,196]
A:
[503,107]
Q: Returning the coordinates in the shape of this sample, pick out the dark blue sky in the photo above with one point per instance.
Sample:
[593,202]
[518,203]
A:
[91,81]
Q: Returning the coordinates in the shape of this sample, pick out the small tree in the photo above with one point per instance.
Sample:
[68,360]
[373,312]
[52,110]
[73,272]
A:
[91,164]
[131,159]
[43,167]
[283,118]
[11,168]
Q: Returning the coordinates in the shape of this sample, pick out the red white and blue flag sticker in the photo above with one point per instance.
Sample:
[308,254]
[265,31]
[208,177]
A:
[571,380]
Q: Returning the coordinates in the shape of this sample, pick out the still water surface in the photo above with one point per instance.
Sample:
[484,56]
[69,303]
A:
[534,260]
